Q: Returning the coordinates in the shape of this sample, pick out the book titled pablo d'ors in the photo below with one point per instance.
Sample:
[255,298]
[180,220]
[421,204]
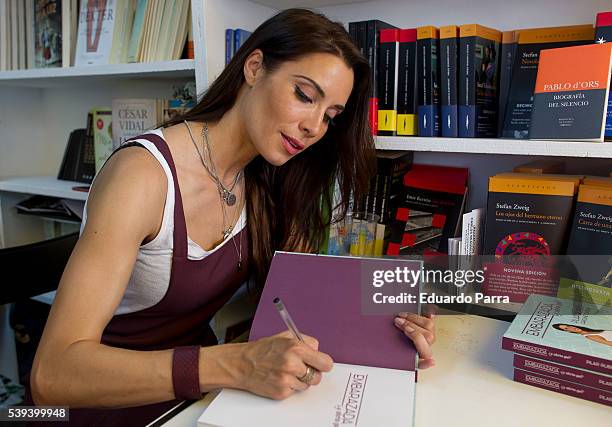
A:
[571,93]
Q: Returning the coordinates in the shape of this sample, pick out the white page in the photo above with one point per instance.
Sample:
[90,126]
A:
[366,396]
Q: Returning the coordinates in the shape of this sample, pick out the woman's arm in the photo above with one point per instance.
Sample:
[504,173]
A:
[598,339]
[73,368]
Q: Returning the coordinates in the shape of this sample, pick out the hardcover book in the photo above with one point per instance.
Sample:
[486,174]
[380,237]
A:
[564,372]
[566,331]
[47,33]
[407,84]
[563,386]
[530,42]
[374,363]
[478,82]
[388,62]
[428,77]
[449,55]
[429,210]
[570,102]
[540,166]
[603,34]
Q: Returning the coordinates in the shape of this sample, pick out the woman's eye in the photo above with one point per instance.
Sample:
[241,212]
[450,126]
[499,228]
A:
[302,96]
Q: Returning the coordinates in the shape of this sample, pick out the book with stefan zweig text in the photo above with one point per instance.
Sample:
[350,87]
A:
[372,382]
[571,93]
[561,330]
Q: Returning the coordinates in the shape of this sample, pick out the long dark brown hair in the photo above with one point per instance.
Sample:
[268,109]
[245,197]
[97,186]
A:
[288,206]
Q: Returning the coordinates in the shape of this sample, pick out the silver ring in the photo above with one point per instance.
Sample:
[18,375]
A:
[308,376]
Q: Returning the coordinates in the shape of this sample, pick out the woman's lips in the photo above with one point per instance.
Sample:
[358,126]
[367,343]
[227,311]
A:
[292,145]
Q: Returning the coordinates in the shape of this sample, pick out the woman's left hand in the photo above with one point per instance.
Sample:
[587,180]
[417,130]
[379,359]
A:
[421,330]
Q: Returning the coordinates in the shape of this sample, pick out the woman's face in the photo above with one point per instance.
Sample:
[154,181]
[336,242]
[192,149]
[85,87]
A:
[570,328]
[290,108]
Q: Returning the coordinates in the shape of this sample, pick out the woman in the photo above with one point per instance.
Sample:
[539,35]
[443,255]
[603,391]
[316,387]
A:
[598,335]
[165,243]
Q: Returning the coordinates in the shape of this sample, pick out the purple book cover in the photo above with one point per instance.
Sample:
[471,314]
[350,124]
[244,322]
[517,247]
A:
[562,372]
[324,296]
[562,386]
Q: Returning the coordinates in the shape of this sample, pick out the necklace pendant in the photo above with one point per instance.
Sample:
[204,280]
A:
[239,266]
[230,199]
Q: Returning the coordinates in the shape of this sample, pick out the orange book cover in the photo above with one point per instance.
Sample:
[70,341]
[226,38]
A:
[571,93]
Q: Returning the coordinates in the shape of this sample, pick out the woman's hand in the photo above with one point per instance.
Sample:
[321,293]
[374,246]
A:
[271,366]
[421,330]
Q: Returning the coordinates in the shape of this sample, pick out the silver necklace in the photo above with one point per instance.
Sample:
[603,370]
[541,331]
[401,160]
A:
[226,193]
[222,194]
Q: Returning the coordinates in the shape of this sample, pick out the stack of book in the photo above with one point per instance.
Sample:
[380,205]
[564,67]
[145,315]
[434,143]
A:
[564,346]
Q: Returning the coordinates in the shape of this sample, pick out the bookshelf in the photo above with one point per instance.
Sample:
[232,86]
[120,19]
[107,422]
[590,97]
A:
[497,146]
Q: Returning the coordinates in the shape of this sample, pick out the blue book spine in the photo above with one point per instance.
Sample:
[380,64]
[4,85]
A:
[466,120]
[608,131]
[240,36]
[429,120]
[229,45]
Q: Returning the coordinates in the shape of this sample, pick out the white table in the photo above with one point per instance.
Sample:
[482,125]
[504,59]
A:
[471,385]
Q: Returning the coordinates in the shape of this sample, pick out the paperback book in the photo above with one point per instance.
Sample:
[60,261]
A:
[449,68]
[429,210]
[407,84]
[571,102]
[478,82]
[565,331]
[603,34]
[95,32]
[428,77]
[564,372]
[563,386]
[388,62]
[530,42]
[47,33]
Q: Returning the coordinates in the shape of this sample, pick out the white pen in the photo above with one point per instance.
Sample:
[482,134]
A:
[287,318]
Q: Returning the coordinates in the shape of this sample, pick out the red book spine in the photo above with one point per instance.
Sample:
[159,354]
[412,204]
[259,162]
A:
[562,386]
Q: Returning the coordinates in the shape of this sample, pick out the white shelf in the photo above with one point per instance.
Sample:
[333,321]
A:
[43,186]
[497,146]
[286,4]
[53,77]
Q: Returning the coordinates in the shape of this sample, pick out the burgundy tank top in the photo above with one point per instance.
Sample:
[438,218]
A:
[197,290]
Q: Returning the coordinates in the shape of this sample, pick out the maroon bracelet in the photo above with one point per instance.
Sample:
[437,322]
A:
[186,372]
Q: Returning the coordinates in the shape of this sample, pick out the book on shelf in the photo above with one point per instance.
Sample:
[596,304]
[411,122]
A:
[48,33]
[374,363]
[136,34]
[564,331]
[95,32]
[407,117]
[506,60]
[560,371]
[527,221]
[562,386]
[590,245]
[388,61]
[69,28]
[428,210]
[52,208]
[449,68]
[478,82]
[428,78]
[520,96]
[541,166]
[471,233]
[5,63]
[571,102]
[102,135]
[234,38]
[603,34]
[132,117]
